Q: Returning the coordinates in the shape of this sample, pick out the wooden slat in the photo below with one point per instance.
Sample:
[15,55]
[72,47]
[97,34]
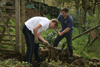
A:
[7,34]
[7,16]
[7,7]
[0,19]
[4,43]
[7,40]
[8,26]
[6,50]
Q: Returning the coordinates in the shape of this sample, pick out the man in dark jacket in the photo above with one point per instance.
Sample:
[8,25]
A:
[66,30]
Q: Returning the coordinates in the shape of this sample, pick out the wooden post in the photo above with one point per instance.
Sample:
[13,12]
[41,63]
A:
[17,10]
[22,23]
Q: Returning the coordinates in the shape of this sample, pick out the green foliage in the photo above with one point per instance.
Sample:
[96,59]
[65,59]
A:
[48,16]
[49,35]
[13,63]
[79,43]
[12,21]
[61,1]
[52,63]
[93,21]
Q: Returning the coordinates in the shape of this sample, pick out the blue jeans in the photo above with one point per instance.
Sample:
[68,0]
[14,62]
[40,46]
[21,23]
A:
[69,42]
[31,46]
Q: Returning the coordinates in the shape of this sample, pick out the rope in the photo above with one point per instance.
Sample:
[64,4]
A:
[51,36]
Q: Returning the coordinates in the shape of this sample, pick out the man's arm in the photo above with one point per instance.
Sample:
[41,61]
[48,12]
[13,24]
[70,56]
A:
[41,38]
[63,32]
[35,29]
[69,26]
[66,30]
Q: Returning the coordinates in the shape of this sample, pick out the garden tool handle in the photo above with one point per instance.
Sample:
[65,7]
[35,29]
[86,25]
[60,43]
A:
[49,46]
[56,30]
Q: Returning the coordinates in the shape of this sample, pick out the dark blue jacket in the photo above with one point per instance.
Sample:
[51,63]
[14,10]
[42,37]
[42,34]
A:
[67,22]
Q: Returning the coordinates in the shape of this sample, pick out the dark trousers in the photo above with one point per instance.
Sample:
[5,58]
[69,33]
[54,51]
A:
[31,46]
[69,42]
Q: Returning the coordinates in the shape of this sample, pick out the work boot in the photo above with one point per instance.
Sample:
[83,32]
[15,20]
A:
[30,64]
[40,61]
[70,58]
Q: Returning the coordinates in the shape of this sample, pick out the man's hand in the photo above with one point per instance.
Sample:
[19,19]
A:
[45,41]
[47,44]
[36,41]
[63,32]
[60,34]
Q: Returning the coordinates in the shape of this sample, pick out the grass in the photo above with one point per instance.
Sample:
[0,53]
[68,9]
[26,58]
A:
[90,51]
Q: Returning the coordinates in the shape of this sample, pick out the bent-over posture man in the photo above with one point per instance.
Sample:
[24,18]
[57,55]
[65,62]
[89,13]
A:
[32,30]
[66,30]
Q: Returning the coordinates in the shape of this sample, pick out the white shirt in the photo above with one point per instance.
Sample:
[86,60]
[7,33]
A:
[32,22]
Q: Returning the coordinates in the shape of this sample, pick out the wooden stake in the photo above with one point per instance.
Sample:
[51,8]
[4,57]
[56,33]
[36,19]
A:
[17,10]
[56,30]
[23,21]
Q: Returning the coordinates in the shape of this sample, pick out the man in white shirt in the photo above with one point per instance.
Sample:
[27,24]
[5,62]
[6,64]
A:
[32,30]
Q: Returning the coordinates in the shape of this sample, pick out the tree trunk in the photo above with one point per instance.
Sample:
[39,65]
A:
[43,1]
[84,20]
[63,4]
[86,32]
[77,6]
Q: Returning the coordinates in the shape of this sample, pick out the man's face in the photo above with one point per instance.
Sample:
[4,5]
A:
[53,25]
[64,13]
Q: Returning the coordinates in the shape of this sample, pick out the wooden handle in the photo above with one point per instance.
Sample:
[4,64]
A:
[56,30]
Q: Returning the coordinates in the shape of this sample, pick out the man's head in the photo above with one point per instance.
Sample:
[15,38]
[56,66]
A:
[64,11]
[54,23]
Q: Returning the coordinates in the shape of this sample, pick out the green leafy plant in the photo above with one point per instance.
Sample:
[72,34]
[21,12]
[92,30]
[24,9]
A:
[49,36]
[13,63]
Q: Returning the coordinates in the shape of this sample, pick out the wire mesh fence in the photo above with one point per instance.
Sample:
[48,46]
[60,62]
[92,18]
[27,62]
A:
[34,8]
